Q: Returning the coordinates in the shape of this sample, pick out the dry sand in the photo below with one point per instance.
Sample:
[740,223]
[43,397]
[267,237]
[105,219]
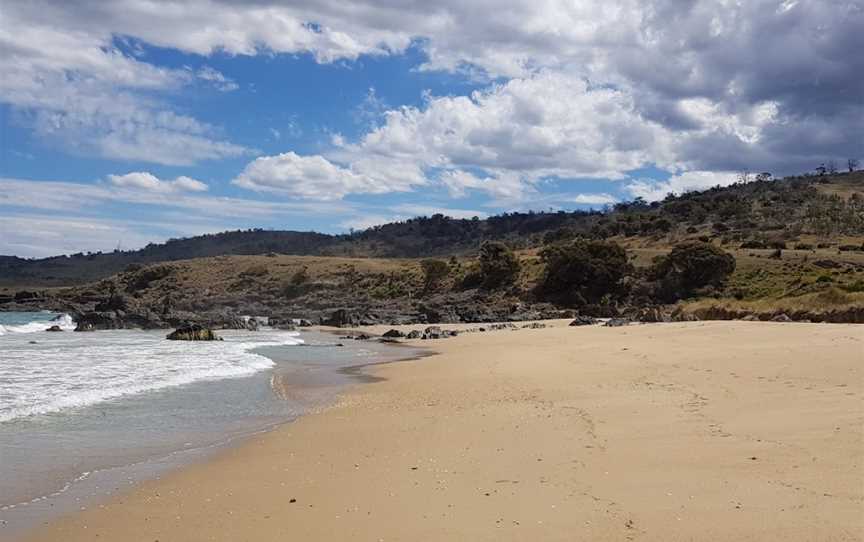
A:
[697,431]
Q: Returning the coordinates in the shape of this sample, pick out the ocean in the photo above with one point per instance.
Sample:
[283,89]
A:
[85,414]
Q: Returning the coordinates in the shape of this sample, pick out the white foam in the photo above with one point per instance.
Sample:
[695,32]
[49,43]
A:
[72,370]
[64,321]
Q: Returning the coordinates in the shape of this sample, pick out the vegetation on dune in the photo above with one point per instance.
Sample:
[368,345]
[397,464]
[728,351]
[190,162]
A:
[498,265]
[583,271]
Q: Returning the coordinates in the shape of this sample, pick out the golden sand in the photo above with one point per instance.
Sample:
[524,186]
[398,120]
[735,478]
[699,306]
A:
[696,431]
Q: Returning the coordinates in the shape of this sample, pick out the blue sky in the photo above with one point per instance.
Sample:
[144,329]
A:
[125,123]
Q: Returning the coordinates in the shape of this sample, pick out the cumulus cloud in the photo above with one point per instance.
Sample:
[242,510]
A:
[594,199]
[584,88]
[149,182]
[651,190]
[315,177]
[80,90]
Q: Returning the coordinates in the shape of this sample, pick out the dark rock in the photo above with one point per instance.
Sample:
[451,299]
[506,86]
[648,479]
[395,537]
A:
[394,334]
[193,332]
[652,315]
[781,318]
[54,328]
[389,340]
[618,322]
[25,295]
[433,332]
[534,325]
[346,318]
[583,321]
[415,334]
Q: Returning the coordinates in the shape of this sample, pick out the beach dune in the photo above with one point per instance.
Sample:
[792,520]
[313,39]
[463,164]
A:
[690,431]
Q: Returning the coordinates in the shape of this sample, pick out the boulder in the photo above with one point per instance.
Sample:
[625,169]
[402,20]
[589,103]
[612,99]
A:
[394,334]
[618,322]
[193,332]
[433,332]
[583,321]
[782,318]
[415,334]
[652,315]
[54,328]
[346,318]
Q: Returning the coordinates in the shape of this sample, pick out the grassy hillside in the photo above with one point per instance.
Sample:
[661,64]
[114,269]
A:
[809,212]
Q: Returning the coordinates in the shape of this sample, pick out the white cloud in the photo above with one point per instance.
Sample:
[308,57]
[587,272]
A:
[315,177]
[587,88]
[71,196]
[652,190]
[217,79]
[79,90]
[594,199]
[149,182]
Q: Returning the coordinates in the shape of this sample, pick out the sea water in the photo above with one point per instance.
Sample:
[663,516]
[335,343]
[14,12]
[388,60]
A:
[83,414]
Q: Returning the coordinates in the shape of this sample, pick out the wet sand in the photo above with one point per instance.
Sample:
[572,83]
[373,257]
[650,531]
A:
[696,431]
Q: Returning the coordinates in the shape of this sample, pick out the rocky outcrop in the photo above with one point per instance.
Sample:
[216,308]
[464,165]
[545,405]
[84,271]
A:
[618,322]
[393,334]
[193,332]
[348,318]
[652,315]
[583,321]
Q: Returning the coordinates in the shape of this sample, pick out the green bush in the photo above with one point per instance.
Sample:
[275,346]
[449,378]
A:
[434,273]
[499,267]
[693,265]
[583,271]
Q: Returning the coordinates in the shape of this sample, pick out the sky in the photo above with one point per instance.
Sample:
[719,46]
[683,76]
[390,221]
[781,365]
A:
[134,121]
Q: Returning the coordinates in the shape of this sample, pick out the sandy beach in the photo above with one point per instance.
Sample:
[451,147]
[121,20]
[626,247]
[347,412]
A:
[690,431]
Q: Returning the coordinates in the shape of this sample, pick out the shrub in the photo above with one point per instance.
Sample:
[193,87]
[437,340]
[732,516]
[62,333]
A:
[584,271]
[499,267]
[434,273]
[694,265]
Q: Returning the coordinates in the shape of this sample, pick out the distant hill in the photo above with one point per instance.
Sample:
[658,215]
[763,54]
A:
[808,210]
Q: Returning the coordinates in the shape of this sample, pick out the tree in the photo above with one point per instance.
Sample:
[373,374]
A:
[434,273]
[693,265]
[499,267]
[764,176]
[583,271]
[852,164]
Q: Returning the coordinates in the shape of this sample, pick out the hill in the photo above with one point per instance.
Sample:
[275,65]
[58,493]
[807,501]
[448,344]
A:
[825,211]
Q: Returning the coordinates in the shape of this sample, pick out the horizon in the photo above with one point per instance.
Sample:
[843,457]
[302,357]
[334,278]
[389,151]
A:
[126,123]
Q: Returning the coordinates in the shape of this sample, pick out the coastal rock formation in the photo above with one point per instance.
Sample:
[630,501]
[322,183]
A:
[193,332]
[583,321]
[54,328]
[618,322]
[393,334]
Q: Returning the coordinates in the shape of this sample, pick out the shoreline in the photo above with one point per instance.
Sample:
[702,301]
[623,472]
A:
[307,387]
[603,432]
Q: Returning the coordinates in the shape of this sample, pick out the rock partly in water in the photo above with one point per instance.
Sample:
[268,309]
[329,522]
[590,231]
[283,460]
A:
[193,332]
[54,328]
